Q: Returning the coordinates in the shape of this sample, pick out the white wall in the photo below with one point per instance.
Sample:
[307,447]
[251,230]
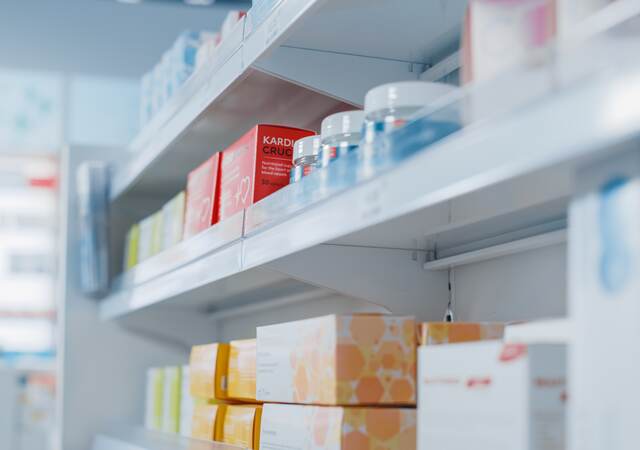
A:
[97,37]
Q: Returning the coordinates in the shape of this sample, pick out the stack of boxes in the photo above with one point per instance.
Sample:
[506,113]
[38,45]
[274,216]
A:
[250,169]
[348,382]
[223,385]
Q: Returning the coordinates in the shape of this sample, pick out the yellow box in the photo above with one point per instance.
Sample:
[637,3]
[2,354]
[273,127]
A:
[362,359]
[131,247]
[433,333]
[241,425]
[208,366]
[308,427]
[242,370]
[207,421]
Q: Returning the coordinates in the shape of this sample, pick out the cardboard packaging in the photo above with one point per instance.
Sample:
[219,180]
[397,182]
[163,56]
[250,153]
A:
[201,207]
[241,426]
[131,247]
[338,360]
[171,399]
[173,221]
[256,165]
[526,25]
[154,409]
[208,367]
[186,403]
[604,306]
[207,421]
[305,427]
[242,370]
[492,395]
[149,236]
[432,333]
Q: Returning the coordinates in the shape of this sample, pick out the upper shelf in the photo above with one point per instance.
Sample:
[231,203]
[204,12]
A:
[498,176]
[141,439]
[287,70]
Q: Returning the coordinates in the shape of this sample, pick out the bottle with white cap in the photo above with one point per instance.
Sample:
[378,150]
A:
[390,106]
[341,134]
[305,157]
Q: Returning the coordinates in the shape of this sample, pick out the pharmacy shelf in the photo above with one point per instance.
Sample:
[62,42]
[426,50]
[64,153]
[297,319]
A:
[141,439]
[283,71]
[470,190]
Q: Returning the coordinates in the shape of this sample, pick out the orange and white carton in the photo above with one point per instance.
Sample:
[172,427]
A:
[241,425]
[242,370]
[434,333]
[207,421]
[306,427]
[361,359]
[492,395]
[208,366]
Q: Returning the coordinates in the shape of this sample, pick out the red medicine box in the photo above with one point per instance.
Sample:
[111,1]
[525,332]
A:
[256,165]
[200,208]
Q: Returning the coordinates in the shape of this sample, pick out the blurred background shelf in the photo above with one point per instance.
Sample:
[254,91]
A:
[141,439]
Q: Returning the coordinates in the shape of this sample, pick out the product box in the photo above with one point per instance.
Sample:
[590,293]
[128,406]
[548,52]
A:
[241,425]
[604,306]
[430,333]
[171,399]
[492,395]
[242,370]
[173,221]
[131,247]
[305,427]
[256,165]
[200,208]
[526,25]
[207,421]
[208,367]
[362,359]
[154,410]
[146,238]
[539,331]
[186,403]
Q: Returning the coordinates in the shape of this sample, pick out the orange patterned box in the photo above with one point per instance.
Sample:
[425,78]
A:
[361,359]
[241,426]
[433,333]
[305,427]
[242,370]
[208,371]
[207,421]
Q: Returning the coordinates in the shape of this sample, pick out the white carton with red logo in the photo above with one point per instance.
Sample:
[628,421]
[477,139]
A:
[492,395]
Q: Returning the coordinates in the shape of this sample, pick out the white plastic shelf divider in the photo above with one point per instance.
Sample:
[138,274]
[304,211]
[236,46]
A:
[141,439]
[208,241]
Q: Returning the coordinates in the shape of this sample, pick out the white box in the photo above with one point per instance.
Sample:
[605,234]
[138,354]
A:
[604,277]
[491,395]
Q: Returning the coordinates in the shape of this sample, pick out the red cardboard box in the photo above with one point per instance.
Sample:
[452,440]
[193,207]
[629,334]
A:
[256,165]
[201,208]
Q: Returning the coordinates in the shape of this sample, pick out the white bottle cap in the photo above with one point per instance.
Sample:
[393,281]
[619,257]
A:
[342,123]
[307,146]
[404,94]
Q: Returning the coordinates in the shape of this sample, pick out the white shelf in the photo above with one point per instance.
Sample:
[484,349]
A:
[507,177]
[141,439]
[287,70]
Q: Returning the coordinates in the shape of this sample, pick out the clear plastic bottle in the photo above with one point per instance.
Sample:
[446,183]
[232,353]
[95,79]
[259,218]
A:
[305,157]
[341,134]
[388,107]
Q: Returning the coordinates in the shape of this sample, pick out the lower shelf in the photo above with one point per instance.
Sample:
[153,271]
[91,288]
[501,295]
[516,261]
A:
[136,438]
